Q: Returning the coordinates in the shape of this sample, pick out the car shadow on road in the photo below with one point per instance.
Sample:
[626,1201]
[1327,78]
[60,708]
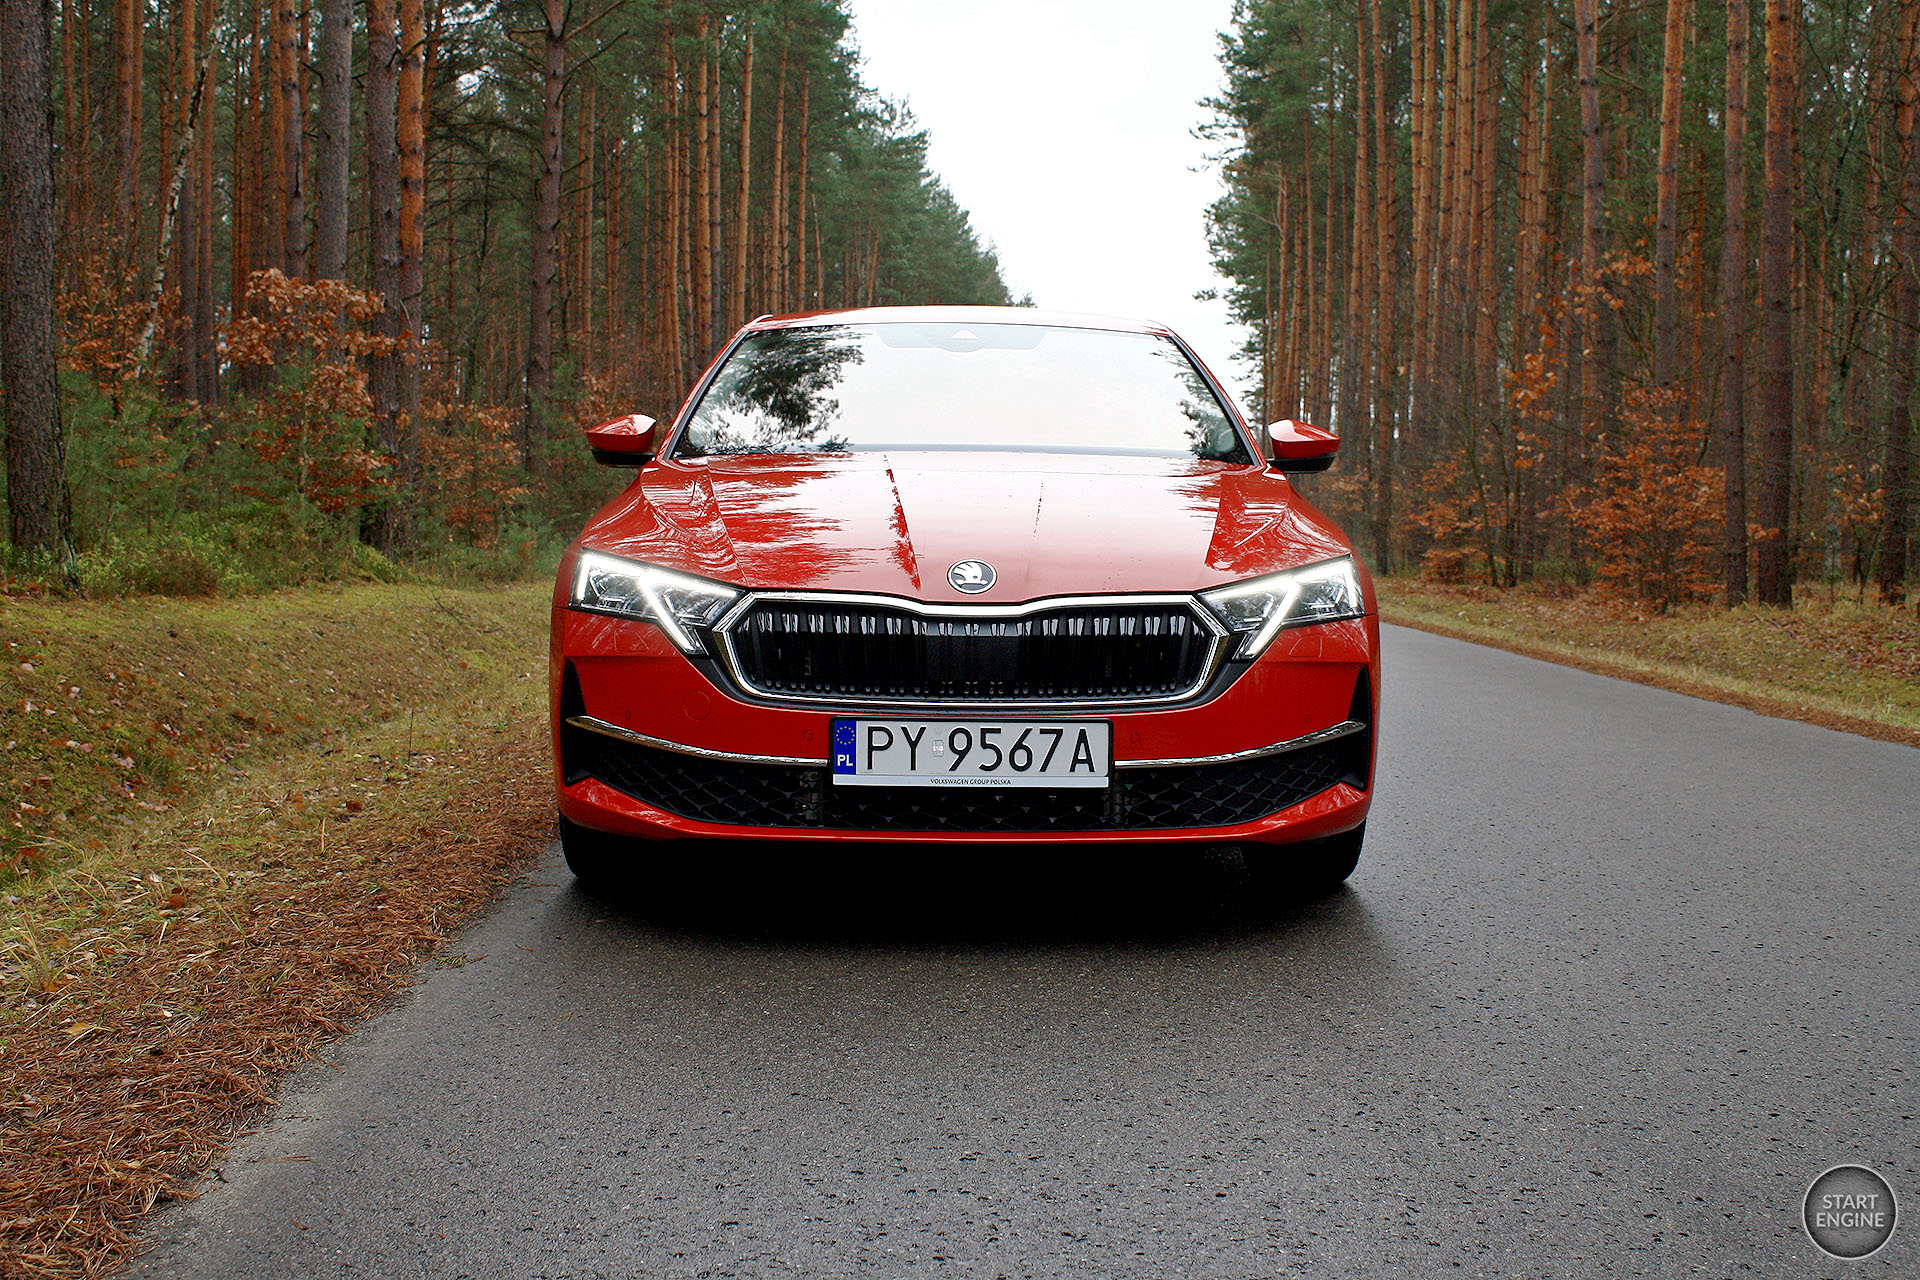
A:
[982,895]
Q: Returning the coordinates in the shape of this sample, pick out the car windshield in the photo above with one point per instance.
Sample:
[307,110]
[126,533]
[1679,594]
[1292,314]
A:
[831,388]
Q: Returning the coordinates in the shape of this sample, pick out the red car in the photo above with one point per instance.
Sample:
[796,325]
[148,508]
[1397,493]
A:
[963,574]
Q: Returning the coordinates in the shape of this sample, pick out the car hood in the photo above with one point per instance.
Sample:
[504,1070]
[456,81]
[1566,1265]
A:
[894,523]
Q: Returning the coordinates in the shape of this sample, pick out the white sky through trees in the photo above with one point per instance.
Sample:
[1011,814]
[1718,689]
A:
[1065,128]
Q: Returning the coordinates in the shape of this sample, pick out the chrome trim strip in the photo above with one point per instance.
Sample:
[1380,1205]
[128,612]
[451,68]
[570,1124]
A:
[1042,605]
[592,725]
[1217,649]
[1346,728]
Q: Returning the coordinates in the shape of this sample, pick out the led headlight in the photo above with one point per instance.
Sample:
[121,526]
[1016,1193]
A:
[1258,608]
[679,605]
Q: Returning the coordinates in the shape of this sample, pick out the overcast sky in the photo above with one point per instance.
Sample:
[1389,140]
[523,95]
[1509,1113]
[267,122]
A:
[1065,128]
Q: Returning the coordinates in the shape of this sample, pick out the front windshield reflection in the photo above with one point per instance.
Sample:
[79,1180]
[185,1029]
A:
[903,386]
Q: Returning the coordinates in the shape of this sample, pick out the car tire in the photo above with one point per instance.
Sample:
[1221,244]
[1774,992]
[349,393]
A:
[595,857]
[1306,869]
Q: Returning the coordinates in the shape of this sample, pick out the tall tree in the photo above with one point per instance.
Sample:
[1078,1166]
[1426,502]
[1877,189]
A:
[1896,446]
[293,138]
[129,69]
[704,162]
[1773,490]
[387,520]
[1591,311]
[546,221]
[743,197]
[39,508]
[186,254]
[1733,306]
[204,344]
[1667,201]
[409,277]
[1382,252]
[331,178]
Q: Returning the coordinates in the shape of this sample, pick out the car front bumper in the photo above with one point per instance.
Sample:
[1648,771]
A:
[646,745]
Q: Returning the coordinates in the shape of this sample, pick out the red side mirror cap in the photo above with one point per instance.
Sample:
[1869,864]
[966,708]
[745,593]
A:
[1298,447]
[624,442]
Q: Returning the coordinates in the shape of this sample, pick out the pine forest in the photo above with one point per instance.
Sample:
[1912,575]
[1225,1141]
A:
[1611,294]
[334,279]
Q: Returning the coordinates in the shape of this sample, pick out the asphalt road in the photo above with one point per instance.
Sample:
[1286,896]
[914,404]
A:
[1621,972]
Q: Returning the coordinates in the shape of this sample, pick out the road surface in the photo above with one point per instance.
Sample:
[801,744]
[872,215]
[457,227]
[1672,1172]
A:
[1620,973]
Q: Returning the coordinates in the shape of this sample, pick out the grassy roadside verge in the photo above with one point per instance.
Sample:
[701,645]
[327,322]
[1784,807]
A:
[1844,666]
[357,772]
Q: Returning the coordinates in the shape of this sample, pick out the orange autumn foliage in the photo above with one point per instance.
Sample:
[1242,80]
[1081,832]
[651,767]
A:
[312,423]
[1653,509]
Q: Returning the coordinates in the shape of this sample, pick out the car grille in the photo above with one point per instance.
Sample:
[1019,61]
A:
[1118,653]
[1157,799]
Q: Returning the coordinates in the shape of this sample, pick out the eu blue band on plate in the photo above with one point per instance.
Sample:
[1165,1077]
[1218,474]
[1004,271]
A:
[843,746]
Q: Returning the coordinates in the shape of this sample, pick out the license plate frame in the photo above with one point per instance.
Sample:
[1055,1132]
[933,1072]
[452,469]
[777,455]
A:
[860,760]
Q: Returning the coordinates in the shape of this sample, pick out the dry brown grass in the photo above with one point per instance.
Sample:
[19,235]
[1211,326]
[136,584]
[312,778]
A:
[154,992]
[1840,664]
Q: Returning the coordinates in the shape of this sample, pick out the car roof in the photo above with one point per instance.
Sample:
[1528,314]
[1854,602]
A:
[958,315]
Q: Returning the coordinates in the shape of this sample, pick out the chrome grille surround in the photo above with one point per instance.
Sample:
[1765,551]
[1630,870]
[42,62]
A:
[910,619]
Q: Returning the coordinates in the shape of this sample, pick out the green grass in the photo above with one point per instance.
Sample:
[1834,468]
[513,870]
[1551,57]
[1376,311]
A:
[112,712]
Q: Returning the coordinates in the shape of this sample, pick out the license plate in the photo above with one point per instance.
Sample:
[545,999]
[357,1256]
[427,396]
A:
[972,753]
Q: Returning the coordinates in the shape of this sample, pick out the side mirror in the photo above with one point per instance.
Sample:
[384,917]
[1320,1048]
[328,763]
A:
[1298,447]
[624,442]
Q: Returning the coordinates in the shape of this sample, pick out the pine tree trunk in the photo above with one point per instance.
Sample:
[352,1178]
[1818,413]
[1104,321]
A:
[578,255]
[1418,130]
[1383,258]
[206,356]
[619,188]
[1594,311]
[72,192]
[1733,306]
[546,227]
[410,145]
[294,138]
[700,306]
[386,526]
[272,108]
[716,225]
[1667,202]
[1897,457]
[1486,275]
[773,283]
[806,298]
[672,274]
[244,196]
[743,201]
[331,191]
[186,253]
[129,28]
[1773,487]
[39,509]
[1354,375]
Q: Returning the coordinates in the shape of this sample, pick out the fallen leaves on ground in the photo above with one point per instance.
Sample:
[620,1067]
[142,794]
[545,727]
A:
[172,1015]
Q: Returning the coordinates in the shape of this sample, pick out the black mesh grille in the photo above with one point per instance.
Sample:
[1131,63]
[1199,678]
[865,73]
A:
[1079,653]
[756,795]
